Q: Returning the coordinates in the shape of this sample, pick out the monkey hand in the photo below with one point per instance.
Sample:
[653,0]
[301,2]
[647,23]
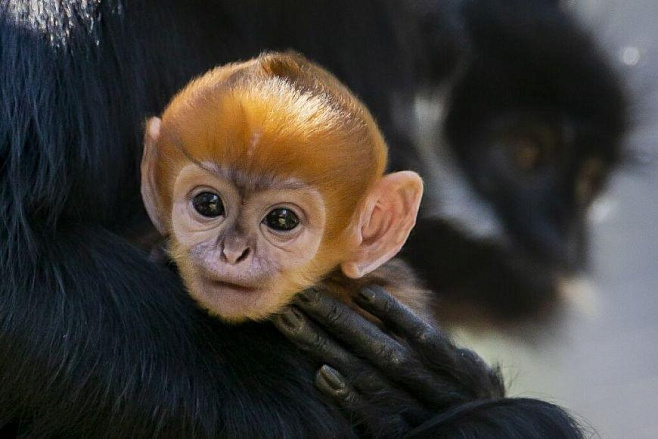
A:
[388,381]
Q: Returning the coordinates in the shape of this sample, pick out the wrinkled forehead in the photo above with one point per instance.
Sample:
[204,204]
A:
[247,182]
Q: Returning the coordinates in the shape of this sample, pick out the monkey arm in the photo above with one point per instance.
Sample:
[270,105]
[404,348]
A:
[412,381]
[97,342]
[482,279]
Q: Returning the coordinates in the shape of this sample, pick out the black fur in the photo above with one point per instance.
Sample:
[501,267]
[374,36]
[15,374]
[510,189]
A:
[479,281]
[524,64]
[520,70]
[95,340]
[512,418]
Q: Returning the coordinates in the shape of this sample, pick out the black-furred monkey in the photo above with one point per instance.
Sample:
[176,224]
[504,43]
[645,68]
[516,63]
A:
[87,343]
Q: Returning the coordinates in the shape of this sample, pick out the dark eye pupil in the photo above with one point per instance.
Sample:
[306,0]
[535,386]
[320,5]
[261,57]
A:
[281,219]
[208,204]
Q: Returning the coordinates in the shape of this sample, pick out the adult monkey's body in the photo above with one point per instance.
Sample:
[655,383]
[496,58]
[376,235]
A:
[94,340]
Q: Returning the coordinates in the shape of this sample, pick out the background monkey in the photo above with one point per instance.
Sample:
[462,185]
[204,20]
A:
[268,175]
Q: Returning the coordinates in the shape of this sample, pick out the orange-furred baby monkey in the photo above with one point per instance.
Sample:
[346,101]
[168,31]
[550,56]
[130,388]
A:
[267,177]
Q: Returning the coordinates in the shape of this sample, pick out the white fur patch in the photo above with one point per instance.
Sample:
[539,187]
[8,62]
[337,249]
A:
[448,194]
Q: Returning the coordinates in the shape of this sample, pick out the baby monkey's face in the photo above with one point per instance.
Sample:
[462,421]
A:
[267,175]
[241,241]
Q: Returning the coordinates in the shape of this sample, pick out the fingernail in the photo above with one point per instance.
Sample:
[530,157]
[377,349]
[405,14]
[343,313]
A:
[367,294]
[292,318]
[332,378]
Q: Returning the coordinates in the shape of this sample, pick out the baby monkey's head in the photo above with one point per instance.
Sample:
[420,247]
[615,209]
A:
[267,175]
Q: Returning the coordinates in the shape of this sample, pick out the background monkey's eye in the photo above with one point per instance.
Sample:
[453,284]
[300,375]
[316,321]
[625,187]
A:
[531,147]
[281,219]
[527,153]
[208,204]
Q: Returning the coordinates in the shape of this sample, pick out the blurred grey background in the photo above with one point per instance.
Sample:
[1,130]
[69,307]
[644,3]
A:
[602,360]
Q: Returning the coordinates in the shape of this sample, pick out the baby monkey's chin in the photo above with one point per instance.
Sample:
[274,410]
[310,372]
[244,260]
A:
[236,303]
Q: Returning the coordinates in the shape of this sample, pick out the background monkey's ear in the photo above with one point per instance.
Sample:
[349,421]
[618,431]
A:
[149,157]
[387,216]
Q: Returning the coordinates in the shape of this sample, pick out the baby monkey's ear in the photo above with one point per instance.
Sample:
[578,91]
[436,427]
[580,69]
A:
[387,217]
[149,159]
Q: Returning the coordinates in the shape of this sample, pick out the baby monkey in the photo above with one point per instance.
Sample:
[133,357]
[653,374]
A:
[267,177]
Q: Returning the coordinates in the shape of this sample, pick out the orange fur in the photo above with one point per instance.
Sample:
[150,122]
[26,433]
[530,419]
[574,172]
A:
[280,117]
[277,115]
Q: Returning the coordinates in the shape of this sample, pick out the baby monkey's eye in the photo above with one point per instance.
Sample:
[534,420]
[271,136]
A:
[281,219]
[208,204]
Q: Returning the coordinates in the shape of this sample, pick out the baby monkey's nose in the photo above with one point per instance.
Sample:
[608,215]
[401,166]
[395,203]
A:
[235,255]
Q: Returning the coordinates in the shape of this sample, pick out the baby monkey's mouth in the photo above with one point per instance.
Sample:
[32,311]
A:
[229,282]
[232,286]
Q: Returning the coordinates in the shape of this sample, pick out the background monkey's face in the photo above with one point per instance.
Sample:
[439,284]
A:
[536,126]
[241,241]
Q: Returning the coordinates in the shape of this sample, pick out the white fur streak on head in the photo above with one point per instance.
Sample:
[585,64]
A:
[448,193]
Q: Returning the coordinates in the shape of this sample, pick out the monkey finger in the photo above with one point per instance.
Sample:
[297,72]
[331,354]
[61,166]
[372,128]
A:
[320,345]
[351,328]
[401,320]
[373,388]
[311,339]
[332,383]
[386,354]
[437,348]
[421,387]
